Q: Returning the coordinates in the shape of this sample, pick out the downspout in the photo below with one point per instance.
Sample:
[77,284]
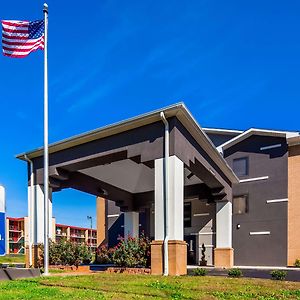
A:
[30,210]
[166,194]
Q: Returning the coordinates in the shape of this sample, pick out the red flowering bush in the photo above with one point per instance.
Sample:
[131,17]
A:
[104,255]
[132,252]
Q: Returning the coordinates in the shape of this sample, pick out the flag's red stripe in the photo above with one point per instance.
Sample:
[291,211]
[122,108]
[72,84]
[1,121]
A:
[16,41]
[15,37]
[22,50]
[16,54]
[16,24]
[25,43]
[15,30]
[17,48]
[12,55]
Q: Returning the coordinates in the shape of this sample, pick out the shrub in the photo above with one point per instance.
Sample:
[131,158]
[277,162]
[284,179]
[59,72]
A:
[235,272]
[83,253]
[200,272]
[278,274]
[104,255]
[66,253]
[203,261]
[297,263]
[132,252]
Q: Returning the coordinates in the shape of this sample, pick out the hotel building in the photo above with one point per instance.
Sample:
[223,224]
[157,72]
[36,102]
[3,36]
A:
[17,235]
[233,192]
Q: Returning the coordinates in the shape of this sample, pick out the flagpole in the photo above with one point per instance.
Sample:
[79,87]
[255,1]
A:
[46,154]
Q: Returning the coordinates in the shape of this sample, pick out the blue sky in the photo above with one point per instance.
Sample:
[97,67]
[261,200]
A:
[236,64]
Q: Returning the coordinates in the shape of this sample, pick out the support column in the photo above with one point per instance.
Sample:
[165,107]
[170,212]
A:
[69,233]
[101,217]
[36,219]
[176,246]
[131,224]
[223,253]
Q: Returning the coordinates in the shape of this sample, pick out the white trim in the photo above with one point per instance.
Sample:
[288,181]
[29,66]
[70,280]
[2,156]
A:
[202,233]
[270,147]
[212,172]
[254,179]
[277,200]
[201,215]
[222,131]
[256,131]
[206,246]
[113,216]
[259,232]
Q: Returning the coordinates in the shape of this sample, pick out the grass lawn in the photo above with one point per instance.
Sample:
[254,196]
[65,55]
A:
[12,258]
[56,272]
[118,286]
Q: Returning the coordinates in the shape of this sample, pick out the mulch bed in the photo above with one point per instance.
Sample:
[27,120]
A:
[142,271]
[71,268]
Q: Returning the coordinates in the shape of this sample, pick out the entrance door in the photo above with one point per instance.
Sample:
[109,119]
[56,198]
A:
[191,249]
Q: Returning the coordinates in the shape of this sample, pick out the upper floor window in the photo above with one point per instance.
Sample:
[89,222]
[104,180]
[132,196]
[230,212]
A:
[240,205]
[187,214]
[240,166]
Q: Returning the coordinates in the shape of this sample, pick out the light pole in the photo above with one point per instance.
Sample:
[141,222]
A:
[91,235]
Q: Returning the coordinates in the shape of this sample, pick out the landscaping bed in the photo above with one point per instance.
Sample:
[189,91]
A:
[292,274]
[120,286]
[134,271]
[85,268]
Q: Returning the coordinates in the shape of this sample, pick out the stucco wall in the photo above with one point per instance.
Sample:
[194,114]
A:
[261,249]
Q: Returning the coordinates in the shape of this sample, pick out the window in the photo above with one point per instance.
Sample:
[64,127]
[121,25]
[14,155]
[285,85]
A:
[240,166]
[187,214]
[240,205]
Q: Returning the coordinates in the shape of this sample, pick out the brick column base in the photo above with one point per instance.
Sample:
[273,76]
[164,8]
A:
[36,252]
[177,257]
[27,264]
[223,257]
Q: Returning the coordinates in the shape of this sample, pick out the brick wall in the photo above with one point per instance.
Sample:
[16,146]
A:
[293,204]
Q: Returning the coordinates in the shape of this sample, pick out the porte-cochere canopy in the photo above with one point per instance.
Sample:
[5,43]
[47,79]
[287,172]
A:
[122,162]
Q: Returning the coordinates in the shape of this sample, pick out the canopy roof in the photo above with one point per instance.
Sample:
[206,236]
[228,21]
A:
[178,110]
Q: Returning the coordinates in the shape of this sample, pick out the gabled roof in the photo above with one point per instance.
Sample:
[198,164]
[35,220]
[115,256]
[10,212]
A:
[255,131]
[178,110]
[222,131]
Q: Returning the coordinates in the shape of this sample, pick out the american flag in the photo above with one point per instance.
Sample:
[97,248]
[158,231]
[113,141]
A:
[19,38]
